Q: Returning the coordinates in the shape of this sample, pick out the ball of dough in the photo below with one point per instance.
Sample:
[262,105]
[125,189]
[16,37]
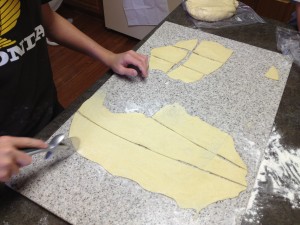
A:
[211,10]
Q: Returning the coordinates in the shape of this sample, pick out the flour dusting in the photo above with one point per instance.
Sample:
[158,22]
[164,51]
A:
[282,168]
[279,175]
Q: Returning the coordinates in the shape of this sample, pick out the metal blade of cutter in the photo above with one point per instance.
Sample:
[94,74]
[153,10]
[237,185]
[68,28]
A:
[67,146]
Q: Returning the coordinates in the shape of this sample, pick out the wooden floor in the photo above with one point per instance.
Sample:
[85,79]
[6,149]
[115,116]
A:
[73,72]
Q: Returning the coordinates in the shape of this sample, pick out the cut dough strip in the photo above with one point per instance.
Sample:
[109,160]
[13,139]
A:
[188,186]
[147,132]
[213,50]
[202,64]
[169,53]
[160,64]
[187,44]
[199,132]
[185,74]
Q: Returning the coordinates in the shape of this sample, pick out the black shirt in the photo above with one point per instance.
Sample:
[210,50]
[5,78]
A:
[28,99]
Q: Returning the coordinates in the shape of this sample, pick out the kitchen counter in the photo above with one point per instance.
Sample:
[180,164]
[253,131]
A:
[274,209]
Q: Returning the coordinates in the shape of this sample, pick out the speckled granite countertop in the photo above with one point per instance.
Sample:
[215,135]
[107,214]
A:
[261,35]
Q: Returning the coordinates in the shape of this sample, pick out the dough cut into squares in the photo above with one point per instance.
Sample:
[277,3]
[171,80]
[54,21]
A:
[169,53]
[160,64]
[214,51]
[185,74]
[202,64]
[189,44]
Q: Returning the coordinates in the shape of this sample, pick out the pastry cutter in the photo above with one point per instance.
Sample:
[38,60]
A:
[54,144]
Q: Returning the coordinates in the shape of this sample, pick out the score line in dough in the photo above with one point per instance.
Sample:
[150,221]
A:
[199,61]
[171,153]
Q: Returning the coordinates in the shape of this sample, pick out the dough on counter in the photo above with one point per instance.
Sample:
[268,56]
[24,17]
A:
[161,158]
[160,64]
[187,44]
[202,64]
[188,186]
[196,130]
[213,50]
[272,73]
[211,10]
[185,74]
[169,53]
[207,57]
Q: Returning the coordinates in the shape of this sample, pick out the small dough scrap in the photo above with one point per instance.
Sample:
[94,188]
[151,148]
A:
[160,64]
[213,50]
[169,53]
[272,73]
[187,44]
[185,74]
[211,10]
[202,64]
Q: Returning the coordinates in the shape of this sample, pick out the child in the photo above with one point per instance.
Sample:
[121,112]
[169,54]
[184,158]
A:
[27,93]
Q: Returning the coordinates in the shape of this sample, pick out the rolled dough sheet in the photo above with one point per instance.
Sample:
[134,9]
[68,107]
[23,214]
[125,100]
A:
[146,132]
[157,157]
[187,185]
[213,50]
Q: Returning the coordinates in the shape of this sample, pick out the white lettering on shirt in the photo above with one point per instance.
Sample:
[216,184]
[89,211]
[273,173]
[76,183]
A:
[3,58]
[39,33]
[16,50]
[14,53]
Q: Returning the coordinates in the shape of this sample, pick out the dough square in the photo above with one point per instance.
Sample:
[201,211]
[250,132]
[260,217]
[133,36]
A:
[188,44]
[214,51]
[169,53]
[160,64]
[185,74]
[202,64]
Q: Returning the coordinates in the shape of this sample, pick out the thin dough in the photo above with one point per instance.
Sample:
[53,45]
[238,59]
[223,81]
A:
[213,50]
[144,131]
[199,132]
[187,44]
[272,73]
[133,146]
[185,74]
[160,64]
[202,64]
[169,53]
[188,186]
[206,58]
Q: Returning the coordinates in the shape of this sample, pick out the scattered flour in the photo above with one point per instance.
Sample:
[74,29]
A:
[280,170]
